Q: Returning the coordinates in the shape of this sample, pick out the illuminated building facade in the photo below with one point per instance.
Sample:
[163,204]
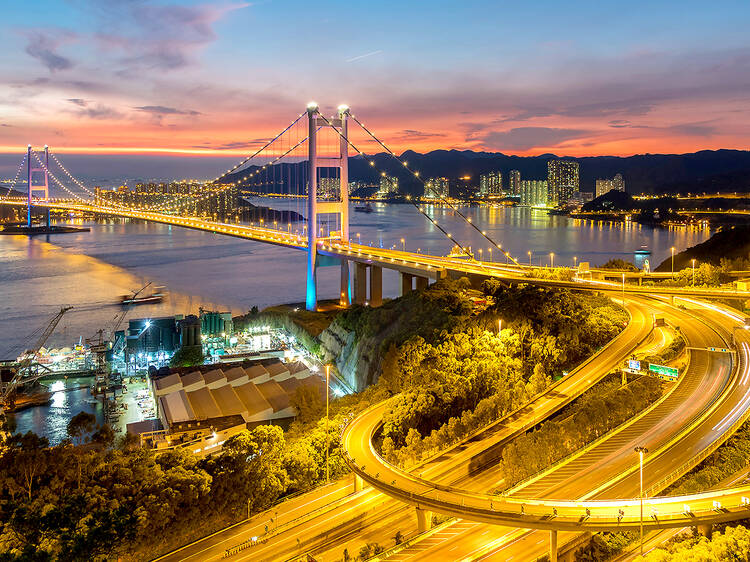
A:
[562,181]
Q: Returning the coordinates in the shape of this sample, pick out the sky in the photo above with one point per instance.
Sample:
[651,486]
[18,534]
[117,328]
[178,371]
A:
[212,80]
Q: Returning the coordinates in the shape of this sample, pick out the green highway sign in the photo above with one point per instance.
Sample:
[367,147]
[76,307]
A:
[670,372]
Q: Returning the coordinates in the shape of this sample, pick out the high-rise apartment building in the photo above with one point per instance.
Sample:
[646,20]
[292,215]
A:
[514,182]
[388,186]
[533,193]
[604,186]
[562,181]
[436,188]
[328,188]
[619,182]
[490,184]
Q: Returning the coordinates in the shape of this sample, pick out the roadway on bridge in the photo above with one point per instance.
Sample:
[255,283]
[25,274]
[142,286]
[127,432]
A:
[408,262]
[728,410]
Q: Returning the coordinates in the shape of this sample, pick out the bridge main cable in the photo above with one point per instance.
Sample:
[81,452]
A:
[445,201]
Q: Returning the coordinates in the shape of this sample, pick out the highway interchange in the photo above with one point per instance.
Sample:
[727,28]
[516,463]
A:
[703,407]
[583,493]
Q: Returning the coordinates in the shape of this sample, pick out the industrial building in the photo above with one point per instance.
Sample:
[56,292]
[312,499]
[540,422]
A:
[217,401]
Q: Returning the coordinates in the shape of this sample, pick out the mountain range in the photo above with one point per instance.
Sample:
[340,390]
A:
[697,172]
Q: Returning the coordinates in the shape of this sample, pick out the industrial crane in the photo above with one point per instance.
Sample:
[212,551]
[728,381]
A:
[23,372]
[102,347]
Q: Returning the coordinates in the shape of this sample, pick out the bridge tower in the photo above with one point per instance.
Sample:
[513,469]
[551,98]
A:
[43,188]
[315,207]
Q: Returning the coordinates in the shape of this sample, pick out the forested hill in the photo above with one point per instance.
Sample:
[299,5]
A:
[707,170]
[726,244]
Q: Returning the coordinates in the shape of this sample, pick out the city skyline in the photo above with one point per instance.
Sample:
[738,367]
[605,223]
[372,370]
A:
[162,78]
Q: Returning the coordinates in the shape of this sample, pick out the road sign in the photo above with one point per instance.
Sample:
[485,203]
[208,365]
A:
[634,365]
[669,372]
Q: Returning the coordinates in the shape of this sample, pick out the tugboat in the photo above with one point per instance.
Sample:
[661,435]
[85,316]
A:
[366,208]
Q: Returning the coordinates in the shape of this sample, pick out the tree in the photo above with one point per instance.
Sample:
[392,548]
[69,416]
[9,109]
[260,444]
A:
[29,458]
[538,381]
[308,403]
[104,435]
[81,426]
[188,356]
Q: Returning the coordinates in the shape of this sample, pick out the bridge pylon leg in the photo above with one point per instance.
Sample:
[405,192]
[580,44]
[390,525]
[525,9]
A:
[705,530]
[406,283]
[553,546]
[376,285]
[346,286]
[422,283]
[424,520]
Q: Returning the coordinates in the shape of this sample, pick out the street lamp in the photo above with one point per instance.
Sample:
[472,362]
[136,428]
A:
[328,370]
[575,262]
[490,251]
[403,244]
[693,260]
[552,259]
[499,326]
[672,261]
[641,451]
[623,290]
[529,252]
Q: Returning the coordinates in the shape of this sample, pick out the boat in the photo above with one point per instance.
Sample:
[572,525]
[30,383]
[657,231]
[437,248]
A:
[367,208]
[149,299]
[643,251]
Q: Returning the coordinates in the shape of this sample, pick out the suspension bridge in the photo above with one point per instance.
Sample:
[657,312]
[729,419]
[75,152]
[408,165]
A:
[308,162]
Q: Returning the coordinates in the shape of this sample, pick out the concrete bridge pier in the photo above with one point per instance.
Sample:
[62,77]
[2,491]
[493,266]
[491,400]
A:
[705,530]
[406,283]
[376,285]
[358,483]
[553,546]
[360,283]
[422,283]
[424,520]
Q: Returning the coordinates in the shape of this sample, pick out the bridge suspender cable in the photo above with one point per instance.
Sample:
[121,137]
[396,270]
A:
[416,205]
[246,160]
[15,179]
[424,184]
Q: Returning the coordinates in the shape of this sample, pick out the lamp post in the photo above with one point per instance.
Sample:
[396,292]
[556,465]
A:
[480,254]
[575,262]
[359,240]
[623,290]
[693,260]
[529,252]
[499,326]
[641,451]
[552,260]
[672,261]
[328,370]
[403,244]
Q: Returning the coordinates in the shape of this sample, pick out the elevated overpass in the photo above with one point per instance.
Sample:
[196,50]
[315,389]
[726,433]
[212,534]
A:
[695,441]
